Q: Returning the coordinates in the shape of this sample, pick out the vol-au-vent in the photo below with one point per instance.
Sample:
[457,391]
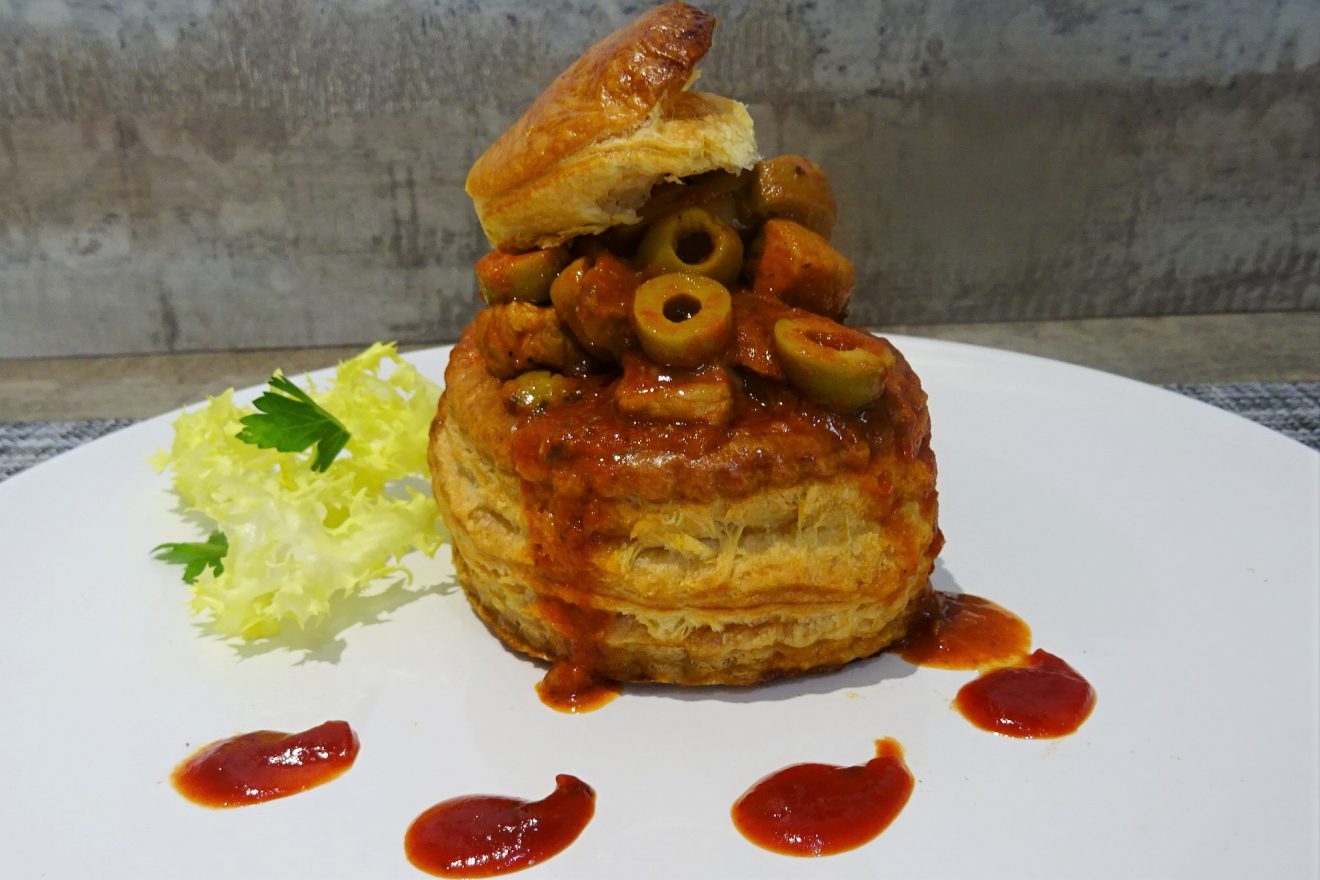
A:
[661,454]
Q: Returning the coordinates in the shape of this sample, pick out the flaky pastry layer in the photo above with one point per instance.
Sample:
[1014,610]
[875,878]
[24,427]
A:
[804,570]
[589,150]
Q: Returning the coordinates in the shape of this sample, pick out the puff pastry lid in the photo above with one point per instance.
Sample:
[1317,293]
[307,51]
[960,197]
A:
[587,152]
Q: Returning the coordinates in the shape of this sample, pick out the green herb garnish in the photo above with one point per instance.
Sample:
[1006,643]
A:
[197,556]
[293,422]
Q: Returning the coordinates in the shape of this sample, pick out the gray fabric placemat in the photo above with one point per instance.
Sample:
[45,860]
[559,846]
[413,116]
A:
[1292,408]
[23,444]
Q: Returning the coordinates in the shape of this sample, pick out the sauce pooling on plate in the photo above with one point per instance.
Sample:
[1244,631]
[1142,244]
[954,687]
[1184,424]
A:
[572,685]
[573,688]
[1043,697]
[481,835]
[822,809]
[958,631]
[265,765]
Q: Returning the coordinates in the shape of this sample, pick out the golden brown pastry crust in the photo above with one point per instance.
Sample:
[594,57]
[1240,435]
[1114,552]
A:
[687,554]
[588,151]
[627,530]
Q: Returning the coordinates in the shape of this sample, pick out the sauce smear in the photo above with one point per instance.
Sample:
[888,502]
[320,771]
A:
[481,835]
[265,765]
[957,631]
[1043,697]
[821,809]
[572,687]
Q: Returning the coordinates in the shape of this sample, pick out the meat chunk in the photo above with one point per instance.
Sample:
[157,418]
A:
[516,337]
[802,269]
[648,391]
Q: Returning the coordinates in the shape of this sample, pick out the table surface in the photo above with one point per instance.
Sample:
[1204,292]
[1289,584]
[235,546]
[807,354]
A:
[1292,408]
[1264,366]
[1258,347]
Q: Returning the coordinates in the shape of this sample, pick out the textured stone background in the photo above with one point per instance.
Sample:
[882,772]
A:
[236,174]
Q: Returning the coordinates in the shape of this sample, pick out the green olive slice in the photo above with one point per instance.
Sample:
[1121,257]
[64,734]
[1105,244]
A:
[683,320]
[504,277]
[566,287]
[538,389]
[841,368]
[692,241]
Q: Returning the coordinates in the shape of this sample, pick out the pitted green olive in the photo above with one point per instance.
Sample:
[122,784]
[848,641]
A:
[692,241]
[683,320]
[538,389]
[566,287]
[525,277]
[792,187]
[836,366]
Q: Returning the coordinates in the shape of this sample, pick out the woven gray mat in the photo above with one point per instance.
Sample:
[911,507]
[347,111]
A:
[1291,408]
[23,444]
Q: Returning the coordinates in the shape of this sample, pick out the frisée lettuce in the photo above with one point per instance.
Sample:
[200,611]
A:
[302,528]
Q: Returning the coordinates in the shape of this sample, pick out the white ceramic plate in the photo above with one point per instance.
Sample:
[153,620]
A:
[1164,548]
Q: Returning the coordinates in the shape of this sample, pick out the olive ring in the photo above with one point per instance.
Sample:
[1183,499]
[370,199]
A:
[683,320]
[833,365]
[692,241]
[504,277]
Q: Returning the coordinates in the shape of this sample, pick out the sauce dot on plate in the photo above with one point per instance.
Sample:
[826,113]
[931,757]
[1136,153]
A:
[1042,697]
[958,631]
[823,809]
[573,688]
[265,765]
[484,835]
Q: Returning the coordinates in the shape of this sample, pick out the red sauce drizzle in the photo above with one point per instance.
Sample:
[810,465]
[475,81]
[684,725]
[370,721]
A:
[573,688]
[957,631]
[265,765]
[821,809]
[572,685]
[481,835]
[1043,697]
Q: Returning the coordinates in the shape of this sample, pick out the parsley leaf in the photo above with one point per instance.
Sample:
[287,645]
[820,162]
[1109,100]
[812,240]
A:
[293,422]
[195,557]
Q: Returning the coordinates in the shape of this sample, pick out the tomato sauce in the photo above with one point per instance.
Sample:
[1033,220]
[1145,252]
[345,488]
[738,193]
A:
[958,631]
[1043,697]
[821,809]
[482,835]
[573,688]
[266,765]
[572,684]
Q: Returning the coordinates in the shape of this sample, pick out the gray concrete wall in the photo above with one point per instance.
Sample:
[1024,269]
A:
[236,174]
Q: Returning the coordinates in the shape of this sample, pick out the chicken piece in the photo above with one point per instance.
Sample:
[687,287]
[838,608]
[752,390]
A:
[801,268]
[753,348]
[593,296]
[516,337]
[792,187]
[649,391]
